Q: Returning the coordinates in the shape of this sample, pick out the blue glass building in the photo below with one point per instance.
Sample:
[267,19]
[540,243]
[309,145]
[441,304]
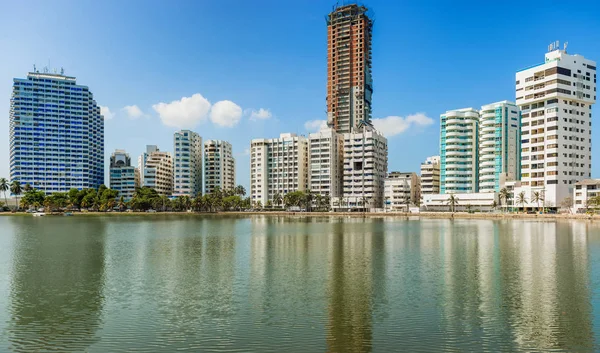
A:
[56,134]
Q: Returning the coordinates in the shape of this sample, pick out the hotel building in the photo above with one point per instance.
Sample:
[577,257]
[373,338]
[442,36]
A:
[219,166]
[124,177]
[556,98]
[278,166]
[187,146]
[56,134]
[430,175]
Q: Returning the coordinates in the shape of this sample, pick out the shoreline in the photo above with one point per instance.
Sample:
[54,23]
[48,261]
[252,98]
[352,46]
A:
[435,215]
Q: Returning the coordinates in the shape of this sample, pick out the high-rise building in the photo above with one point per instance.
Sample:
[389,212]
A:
[556,99]
[401,191]
[56,134]
[142,160]
[219,166]
[365,169]
[458,151]
[123,176]
[187,146]
[278,166]
[349,81]
[158,172]
[326,160]
[499,145]
[430,175]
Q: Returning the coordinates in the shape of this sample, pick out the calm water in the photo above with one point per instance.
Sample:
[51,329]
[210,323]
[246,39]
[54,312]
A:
[269,284]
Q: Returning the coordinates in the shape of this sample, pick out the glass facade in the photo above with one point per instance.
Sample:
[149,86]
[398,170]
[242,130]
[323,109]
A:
[56,134]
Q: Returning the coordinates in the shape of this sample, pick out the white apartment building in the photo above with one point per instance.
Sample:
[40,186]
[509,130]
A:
[142,160]
[556,99]
[401,190]
[499,145]
[459,151]
[583,194]
[430,175]
[187,146]
[219,166]
[326,159]
[124,177]
[278,166]
[158,172]
[365,170]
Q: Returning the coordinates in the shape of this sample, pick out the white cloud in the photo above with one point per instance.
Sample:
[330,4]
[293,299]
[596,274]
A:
[105,111]
[261,114]
[133,112]
[395,125]
[315,125]
[225,113]
[184,113]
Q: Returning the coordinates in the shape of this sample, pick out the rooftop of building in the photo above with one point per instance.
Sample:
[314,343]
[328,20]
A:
[588,182]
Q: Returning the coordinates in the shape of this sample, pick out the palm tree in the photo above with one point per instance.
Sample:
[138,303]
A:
[27,188]
[278,199]
[121,204]
[521,199]
[4,188]
[537,198]
[494,205]
[452,202]
[240,190]
[308,198]
[15,189]
[504,195]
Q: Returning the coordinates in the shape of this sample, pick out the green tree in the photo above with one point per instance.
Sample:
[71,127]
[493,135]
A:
[521,199]
[27,188]
[33,198]
[121,205]
[269,204]
[240,190]
[452,202]
[308,200]
[15,189]
[4,187]
[278,199]
[504,195]
[537,197]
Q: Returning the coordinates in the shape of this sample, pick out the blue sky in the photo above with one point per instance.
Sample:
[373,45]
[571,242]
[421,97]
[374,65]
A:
[428,57]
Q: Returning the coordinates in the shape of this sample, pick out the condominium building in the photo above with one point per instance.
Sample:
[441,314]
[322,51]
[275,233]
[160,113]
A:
[187,146]
[584,194]
[219,166]
[349,81]
[556,99]
[365,169]
[142,160]
[278,166]
[430,175]
[499,145]
[458,151]
[158,172]
[124,177]
[401,191]
[326,160]
[56,133]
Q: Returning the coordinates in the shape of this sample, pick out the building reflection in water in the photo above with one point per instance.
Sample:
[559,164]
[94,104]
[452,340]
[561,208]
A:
[57,285]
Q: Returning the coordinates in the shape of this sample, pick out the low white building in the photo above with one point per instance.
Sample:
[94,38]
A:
[583,194]
[477,202]
[401,191]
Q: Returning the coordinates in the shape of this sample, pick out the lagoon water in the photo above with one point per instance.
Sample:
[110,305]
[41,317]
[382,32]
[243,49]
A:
[285,284]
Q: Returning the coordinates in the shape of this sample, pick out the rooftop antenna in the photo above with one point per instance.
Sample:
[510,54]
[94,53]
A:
[62,71]
[565,44]
[34,69]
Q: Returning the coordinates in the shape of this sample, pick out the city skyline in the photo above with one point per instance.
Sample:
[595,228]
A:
[266,103]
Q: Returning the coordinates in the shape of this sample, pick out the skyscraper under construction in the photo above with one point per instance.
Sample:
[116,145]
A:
[349,82]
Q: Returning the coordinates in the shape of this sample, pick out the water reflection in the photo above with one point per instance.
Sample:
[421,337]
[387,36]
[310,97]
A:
[57,283]
[276,284]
